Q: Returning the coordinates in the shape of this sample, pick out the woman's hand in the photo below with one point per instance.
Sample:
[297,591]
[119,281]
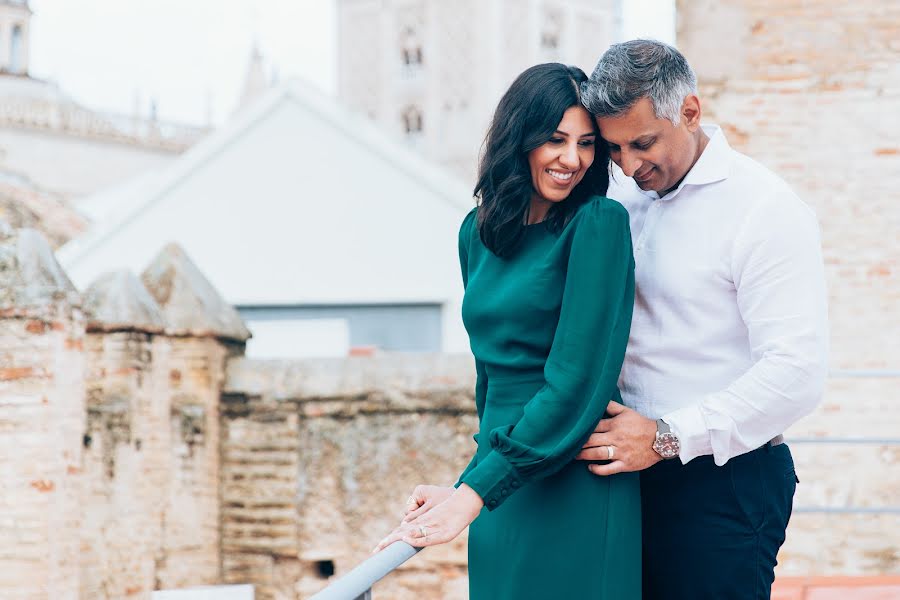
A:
[424,498]
[439,525]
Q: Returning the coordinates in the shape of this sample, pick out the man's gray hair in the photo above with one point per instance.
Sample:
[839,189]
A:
[639,69]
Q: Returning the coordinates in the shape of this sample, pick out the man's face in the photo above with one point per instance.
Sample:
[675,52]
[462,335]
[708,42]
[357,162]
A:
[654,152]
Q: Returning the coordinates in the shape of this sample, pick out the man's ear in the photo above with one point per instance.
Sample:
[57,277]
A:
[690,112]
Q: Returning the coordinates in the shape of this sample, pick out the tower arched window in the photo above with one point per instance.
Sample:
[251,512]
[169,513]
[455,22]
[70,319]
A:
[410,51]
[551,34]
[413,122]
[15,50]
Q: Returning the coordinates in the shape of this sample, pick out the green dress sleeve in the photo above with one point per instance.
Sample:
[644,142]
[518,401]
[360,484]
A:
[481,381]
[582,369]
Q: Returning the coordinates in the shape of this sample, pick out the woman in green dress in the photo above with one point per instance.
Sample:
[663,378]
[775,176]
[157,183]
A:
[549,286]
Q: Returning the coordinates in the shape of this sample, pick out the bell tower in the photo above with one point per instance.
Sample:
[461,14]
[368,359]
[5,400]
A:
[15,19]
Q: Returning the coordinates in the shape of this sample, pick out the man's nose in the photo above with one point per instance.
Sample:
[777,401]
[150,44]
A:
[629,163]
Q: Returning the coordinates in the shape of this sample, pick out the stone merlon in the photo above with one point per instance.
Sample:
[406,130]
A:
[32,283]
[118,301]
[189,302]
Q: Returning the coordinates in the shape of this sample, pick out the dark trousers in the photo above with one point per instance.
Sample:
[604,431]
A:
[712,533]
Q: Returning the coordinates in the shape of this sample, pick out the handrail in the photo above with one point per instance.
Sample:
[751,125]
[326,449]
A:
[358,582]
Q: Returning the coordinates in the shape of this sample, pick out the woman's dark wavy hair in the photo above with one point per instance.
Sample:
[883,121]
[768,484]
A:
[526,118]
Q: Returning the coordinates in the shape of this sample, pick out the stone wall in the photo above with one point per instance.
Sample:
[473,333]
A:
[41,421]
[811,89]
[318,457]
[109,426]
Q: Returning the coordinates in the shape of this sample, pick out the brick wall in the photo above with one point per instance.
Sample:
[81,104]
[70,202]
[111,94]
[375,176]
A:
[812,90]
[41,421]
[109,427]
[319,457]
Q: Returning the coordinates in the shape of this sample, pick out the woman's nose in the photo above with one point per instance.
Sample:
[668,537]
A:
[569,157]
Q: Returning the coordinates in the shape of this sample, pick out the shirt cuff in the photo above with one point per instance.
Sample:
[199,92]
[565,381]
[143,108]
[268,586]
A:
[494,479]
[689,426]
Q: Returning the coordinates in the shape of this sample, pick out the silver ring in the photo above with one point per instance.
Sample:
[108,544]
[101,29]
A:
[411,500]
[424,531]
[610,451]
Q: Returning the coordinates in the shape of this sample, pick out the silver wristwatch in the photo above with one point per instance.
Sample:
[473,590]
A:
[666,443]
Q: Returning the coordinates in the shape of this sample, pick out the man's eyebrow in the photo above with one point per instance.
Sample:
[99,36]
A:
[638,140]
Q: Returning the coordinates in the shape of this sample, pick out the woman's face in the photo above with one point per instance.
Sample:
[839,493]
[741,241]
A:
[560,163]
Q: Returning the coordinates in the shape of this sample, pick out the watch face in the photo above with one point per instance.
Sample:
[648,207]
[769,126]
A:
[667,445]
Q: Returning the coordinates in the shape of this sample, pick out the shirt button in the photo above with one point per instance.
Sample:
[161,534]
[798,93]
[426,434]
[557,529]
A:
[504,492]
[493,503]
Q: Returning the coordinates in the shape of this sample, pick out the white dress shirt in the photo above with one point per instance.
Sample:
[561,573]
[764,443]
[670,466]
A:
[729,339]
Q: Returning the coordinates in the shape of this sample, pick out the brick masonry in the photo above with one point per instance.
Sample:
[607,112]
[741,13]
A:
[109,431]
[811,89]
[319,457]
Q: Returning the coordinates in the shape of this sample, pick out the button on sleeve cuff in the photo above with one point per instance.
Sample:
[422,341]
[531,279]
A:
[494,479]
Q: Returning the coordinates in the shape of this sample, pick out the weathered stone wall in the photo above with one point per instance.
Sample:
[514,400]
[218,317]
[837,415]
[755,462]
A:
[812,90]
[318,457]
[190,549]
[41,420]
[151,463]
[124,463]
[109,426]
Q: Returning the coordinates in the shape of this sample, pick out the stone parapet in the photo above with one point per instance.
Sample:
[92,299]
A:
[191,306]
[318,457]
[109,428]
[32,284]
[42,417]
[118,301]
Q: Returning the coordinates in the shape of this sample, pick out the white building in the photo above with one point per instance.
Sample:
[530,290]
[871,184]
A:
[60,146]
[432,71]
[325,234]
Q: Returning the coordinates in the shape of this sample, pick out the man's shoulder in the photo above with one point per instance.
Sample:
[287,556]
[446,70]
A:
[751,174]
[763,193]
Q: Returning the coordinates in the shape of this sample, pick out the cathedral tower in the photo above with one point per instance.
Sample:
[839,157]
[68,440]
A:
[432,71]
[15,17]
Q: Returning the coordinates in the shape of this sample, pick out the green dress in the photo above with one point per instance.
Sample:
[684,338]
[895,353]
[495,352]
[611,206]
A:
[548,328]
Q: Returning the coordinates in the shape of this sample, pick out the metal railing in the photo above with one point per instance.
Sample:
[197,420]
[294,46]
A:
[357,584]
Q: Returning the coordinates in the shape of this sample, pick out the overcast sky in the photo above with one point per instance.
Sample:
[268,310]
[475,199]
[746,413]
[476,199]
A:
[190,56]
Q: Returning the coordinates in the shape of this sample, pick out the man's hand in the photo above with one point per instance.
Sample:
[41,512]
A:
[631,437]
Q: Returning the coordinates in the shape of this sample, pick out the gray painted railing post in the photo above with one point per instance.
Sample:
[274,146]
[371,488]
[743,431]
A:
[357,584]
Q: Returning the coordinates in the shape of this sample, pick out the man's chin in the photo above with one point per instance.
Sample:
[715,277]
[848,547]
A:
[647,186]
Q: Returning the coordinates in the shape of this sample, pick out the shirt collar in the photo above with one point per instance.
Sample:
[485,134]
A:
[713,165]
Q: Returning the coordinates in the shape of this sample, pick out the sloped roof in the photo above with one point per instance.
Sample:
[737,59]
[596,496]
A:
[297,201]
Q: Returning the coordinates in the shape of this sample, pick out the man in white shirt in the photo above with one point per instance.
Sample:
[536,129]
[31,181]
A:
[729,339]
